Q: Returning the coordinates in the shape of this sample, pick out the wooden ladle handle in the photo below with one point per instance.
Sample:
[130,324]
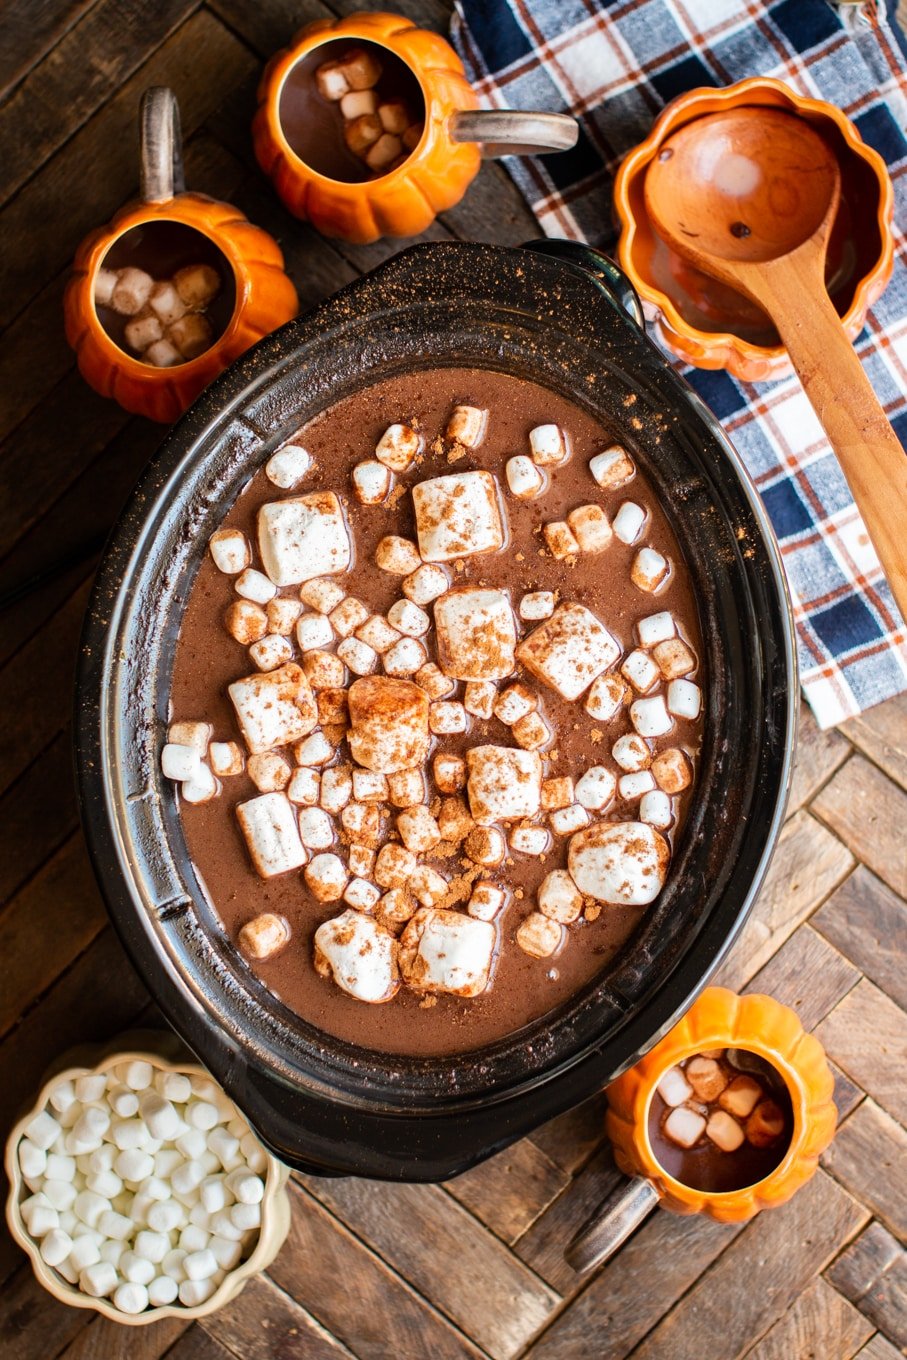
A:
[858,430]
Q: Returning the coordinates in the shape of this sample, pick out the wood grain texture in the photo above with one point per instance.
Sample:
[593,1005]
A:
[101,1339]
[872,1273]
[37,813]
[808,975]
[819,754]
[820,1323]
[881,733]
[869,1155]
[867,811]
[543,1245]
[508,1192]
[867,1035]
[263,1322]
[879,1348]
[867,922]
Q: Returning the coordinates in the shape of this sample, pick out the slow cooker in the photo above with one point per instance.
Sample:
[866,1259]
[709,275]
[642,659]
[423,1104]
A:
[554,313]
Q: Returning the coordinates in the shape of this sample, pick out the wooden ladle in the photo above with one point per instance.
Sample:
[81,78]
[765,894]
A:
[749,196]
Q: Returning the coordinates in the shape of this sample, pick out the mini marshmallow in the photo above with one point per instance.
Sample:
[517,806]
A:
[200,1265]
[361,894]
[361,133]
[557,793]
[537,605]
[684,699]
[418,829]
[388,723]
[457,516]
[59,1167]
[504,783]
[396,555]
[226,758]
[628,522]
[395,907]
[485,845]
[479,697]
[313,750]
[323,671]
[40,1219]
[160,1115]
[131,1297]
[269,772]
[186,1177]
[650,717]
[683,1126]
[245,1216]
[303,537]
[539,936]
[405,658]
[91,1126]
[529,839]
[486,901]
[358,953]
[406,788]
[197,735]
[287,467]
[316,830]
[674,658]
[560,539]
[133,1165]
[361,68]
[192,1293]
[166,1216]
[246,622]
[425,584]
[85,1252]
[105,280]
[377,633]
[142,332]
[336,788]
[635,785]
[197,284]
[369,787]
[558,897]
[274,708]
[331,81]
[564,821]
[655,808]
[641,671]
[612,468]
[656,629]
[192,334]
[548,445]
[313,630]
[98,1280]
[454,819]
[596,788]
[475,633]
[55,1247]
[591,528]
[569,650]
[619,862]
[514,703]
[671,770]
[466,425]
[358,102]
[161,1291]
[406,617]
[200,789]
[226,1254]
[326,877]
[325,596]
[394,866]
[162,355]
[131,291]
[88,1208]
[371,482]
[449,772]
[43,1131]
[446,951]
[32,1160]
[271,652]
[194,1238]
[399,444]
[394,116]
[650,570]
[166,302]
[358,656]
[61,1195]
[523,477]
[282,614]
[269,826]
[263,937]
[446,717]
[62,1097]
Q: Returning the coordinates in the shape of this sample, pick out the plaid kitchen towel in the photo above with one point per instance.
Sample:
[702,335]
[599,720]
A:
[615,63]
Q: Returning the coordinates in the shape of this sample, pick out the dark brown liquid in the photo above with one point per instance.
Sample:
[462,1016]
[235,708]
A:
[208,659]
[161,248]
[314,126]
[705,1166]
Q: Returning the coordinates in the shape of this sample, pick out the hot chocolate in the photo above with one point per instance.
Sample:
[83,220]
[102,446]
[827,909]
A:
[437,700]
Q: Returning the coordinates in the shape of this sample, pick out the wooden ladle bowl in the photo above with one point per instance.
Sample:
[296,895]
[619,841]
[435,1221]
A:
[749,196]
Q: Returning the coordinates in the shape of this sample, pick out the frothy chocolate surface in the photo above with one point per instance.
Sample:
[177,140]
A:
[208,659]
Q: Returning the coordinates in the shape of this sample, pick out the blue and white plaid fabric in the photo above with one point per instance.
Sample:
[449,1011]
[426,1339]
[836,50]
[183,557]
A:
[615,65]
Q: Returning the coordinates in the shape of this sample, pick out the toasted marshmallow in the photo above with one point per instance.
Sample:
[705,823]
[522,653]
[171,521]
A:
[406,617]
[612,468]
[466,425]
[371,482]
[559,898]
[569,650]
[671,770]
[303,537]
[560,540]
[275,708]
[324,670]
[272,835]
[504,783]
[399,444]
[591,528]
[605,697]
[326,877]
[457,516]
[476,634]
[486,901]
[539,604]
[264,936]
[446,951]
[188,733]
[425,584]
[524,478]
[623,863]
[650,570]
[485,845]
[358,952]
[548,445]
[673,657]
[287,467]
[229,550]
[388,723]
[479,697]
[539,936]
[557,793]
[394,116]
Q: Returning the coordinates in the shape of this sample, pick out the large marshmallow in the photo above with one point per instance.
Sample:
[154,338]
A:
[476,634]
[359,954]
[303,537]
[388,723]
[623,863]
[274,708]
[504,783]
[446,951]
[569,650]
[457,516]
[272,834]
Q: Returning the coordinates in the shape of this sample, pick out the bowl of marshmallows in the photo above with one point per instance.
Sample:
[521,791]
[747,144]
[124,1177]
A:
[138,1189]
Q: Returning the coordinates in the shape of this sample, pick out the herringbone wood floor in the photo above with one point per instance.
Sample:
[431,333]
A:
[475,1267]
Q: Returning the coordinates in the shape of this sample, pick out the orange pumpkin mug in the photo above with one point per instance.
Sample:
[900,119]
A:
[174,288]
[368,127]
[760,1036]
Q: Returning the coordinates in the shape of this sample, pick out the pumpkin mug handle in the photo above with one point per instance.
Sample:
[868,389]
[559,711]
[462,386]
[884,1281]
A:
[160,146]
[609,1226]
[512,132]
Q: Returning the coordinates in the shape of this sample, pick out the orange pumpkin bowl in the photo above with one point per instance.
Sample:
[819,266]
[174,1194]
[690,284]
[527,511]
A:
[760,1025]
[406,200]
[705,322]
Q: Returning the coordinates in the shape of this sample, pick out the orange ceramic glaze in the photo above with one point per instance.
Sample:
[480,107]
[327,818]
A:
[404,201]
[711,325]
[721,1019]
[265,299]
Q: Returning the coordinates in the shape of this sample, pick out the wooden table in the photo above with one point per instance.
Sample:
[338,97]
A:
[475,1267]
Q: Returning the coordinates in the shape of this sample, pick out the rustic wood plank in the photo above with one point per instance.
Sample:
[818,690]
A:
[27,31]
[543,1245]
[106,1340]
[868,923]
[872,1273]
[570,1139]
[820,1322]
[445,1254]
[37,814]
[881,734]
[263,1322]
[195,1344]
[266,28]
[636,1287]
[866,1034]
[808,863]
[508,1192]
[759,1275]
[819,754]
[61,906]
[869,1155]
[354,1294]
[76,76]
[868,812]
[33,1324]
[67,197]
[847,1094]
[808,975]
[879,1348]
[493,209]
